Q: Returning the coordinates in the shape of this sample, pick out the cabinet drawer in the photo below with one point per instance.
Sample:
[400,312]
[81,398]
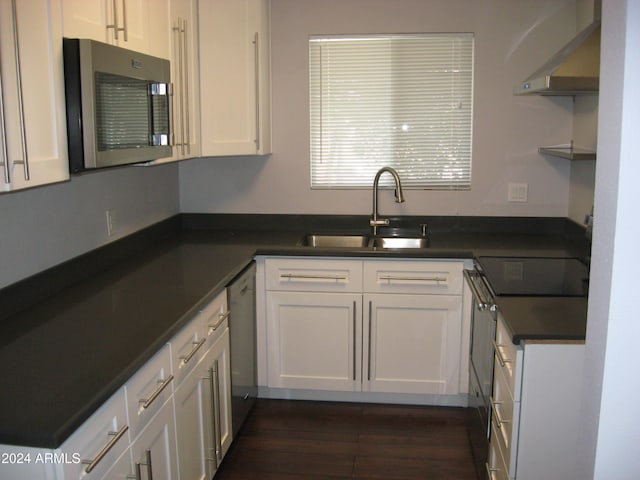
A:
[101,440]
[506,355]
[318,275]
[415,276]
[502,406]
[148,390]
[214,316]
[187,348]
[496,465]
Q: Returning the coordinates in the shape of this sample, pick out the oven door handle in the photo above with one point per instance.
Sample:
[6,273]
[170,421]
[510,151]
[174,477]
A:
[482,303]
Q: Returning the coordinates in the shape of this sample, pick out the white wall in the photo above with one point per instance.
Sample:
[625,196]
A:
[513,38]
[44,226]
[612,386]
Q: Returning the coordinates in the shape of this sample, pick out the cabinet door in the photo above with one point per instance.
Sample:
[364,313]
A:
[139,25]
[412,343]
[193,417]
[217,365]
[32,87]
[154,451]
[186,80]
[234,66]
[314,340]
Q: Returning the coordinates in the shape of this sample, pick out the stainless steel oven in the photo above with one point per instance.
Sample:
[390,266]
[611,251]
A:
[483,328]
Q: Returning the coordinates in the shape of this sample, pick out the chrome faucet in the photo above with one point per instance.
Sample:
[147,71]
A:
[375,222]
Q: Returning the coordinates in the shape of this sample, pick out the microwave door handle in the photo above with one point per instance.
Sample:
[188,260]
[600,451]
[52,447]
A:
[163,89]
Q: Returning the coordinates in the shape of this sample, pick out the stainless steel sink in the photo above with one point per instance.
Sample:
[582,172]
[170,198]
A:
[344,241]
[362,241]
[400,242]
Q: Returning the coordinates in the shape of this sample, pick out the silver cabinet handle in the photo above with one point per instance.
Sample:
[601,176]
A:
[148,465]
[256,52]
[501,358]
[180,82]
[196,346]
[354,340]
[221,318]
[496,415]
[146,402]
[214,405]
[23,130]
[391,278]
[294,276]
[369,340]
[91,464]
[216,423]
[124,28]
[185,87]
[489,470]
[3,134]
[114,25]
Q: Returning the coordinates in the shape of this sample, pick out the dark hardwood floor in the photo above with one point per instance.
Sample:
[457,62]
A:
[285,439]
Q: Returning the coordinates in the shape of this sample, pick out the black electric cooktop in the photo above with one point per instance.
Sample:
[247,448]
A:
[528,276]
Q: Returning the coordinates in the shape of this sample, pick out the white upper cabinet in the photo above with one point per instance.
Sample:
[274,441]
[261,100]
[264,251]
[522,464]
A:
[33,136]
[185,78]
[234,77]
[139,25]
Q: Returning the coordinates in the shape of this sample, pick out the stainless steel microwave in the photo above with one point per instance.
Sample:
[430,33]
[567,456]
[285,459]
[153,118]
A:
[118,105]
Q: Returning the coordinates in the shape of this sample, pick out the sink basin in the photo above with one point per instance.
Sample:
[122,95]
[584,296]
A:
[345,241]
[400,242]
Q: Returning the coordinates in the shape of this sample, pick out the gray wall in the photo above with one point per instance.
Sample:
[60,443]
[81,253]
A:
[44,226]
[513,38]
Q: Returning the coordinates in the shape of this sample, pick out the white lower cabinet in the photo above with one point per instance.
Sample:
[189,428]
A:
[315,340]
[203,414]
[154,450]
[151,428]
[347,325]
[413,343]
[535,409]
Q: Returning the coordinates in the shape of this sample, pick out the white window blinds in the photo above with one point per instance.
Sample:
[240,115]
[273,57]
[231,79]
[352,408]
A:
[399,100]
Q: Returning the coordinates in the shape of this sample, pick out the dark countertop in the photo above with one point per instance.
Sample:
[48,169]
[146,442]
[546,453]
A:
[101,316]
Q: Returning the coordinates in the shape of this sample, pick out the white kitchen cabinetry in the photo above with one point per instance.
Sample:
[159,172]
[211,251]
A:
[535,403]
[139,25]
[186,80]
[33,136]
[377,326]
[413,327]
[154,450]
[234,77]
[202,398]
[315,340]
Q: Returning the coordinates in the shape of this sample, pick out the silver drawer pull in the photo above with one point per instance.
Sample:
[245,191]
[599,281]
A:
[221,318]
[490,470]
[503,361]
[496,415]
[390,278]
[91,464]
[146,403]
[196,345]
[296,276]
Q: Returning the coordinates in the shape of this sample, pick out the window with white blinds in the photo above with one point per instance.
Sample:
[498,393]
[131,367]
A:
[404,101]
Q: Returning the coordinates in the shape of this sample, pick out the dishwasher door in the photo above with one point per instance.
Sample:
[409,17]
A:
[242,331]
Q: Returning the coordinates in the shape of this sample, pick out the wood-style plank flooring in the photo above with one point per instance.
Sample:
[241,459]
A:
[284,439]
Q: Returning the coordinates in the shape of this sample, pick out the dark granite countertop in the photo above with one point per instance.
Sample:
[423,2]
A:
[71,336]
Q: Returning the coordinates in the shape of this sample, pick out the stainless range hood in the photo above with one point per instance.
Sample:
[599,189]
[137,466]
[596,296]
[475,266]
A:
[574,70]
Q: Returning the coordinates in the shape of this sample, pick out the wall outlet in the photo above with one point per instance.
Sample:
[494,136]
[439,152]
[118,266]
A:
[111,221]
[518,192]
